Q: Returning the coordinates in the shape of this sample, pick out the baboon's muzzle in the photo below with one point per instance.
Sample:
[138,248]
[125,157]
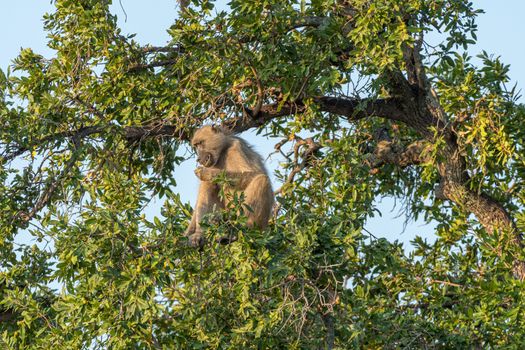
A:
[205,159]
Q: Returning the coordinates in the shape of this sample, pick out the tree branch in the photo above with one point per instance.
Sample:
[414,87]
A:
[328,321]
[75,136]
[164,49]
[387,152]
[424,113]
[154,64]
[266,114]
[309,21]
[353,109]
[137,133]
[48,193]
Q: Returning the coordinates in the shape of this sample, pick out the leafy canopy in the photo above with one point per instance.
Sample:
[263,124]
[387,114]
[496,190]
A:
[90,139]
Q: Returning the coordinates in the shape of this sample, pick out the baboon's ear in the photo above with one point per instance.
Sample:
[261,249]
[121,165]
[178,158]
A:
[216,128]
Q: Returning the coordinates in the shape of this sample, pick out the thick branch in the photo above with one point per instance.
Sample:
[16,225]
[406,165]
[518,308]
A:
[414,65]
[388,152]
[328,320]
[489,212]
[355,109]
[136,133]
[266,114]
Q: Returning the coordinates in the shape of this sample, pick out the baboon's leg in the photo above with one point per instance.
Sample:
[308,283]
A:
[207,202]
[259,197]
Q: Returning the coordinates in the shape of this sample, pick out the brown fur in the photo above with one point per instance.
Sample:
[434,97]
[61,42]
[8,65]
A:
[219,152]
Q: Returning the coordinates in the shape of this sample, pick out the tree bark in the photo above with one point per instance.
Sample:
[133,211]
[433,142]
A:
[328,320]
[424,112]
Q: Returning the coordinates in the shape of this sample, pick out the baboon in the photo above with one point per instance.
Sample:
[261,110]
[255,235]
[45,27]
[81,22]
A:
[219,152]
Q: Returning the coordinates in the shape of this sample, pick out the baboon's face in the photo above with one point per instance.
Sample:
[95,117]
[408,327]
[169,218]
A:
[209,143]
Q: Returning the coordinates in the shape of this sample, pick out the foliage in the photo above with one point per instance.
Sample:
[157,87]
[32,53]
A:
[90,138]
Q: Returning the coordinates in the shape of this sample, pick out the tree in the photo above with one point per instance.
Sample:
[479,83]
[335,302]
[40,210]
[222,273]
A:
[361,106]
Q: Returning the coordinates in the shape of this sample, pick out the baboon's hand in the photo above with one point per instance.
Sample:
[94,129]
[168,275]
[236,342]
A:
[196,240]
[205,174]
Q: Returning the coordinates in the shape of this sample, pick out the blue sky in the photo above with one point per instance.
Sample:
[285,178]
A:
[501,28]
[501,32]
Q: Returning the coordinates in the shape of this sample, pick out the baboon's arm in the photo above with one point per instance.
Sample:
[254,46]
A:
[240,178]
[207,202]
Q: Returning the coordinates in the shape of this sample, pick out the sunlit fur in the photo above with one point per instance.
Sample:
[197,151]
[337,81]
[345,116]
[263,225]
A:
[220,152]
